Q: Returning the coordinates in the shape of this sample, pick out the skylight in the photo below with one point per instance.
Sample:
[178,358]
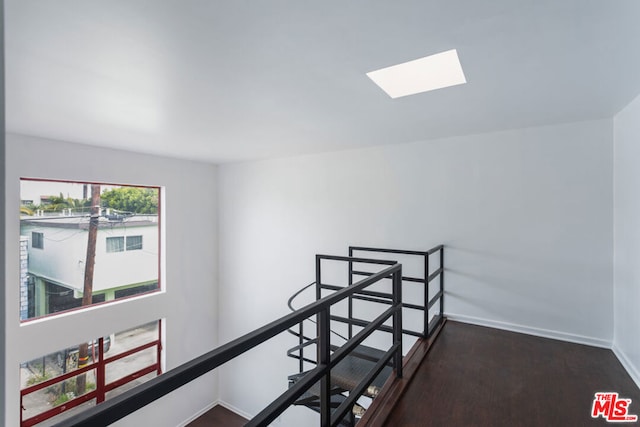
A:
[420,75]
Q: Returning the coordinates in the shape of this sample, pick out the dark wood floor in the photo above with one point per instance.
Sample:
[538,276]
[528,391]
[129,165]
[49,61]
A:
[218,416]
[476,376]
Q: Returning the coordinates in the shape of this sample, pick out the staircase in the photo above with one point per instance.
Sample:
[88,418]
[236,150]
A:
[362,363]
[345,376]
[338,381]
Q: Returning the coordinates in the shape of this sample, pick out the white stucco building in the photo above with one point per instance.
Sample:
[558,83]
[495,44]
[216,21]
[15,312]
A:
[126,261]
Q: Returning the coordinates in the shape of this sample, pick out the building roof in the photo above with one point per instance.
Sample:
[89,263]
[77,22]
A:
[82,222]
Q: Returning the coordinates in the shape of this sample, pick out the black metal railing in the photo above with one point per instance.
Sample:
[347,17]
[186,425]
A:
[120,406]
[425,329]
[430,322]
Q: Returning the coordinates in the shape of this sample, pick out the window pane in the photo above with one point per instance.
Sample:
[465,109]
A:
[134,243]
[66,383]
[37,240]
[115,244]
[120,221]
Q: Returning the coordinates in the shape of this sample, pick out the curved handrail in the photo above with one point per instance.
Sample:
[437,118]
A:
[294,296]
[290,305]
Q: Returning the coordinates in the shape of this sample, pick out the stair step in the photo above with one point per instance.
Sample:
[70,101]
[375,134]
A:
[336,400]
[365,352]
[347,374]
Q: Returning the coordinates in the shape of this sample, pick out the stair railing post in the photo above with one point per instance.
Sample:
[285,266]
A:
[442,282]
[350,299]
[397,320]
[324,358]
[301,342]
[426,295]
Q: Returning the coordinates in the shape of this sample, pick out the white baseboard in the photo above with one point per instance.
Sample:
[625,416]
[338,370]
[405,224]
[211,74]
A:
[197,414]
[545,333]
[631,369]
[210,406]
[234,409]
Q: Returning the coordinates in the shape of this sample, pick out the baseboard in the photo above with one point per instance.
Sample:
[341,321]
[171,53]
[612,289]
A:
[211,406]
[545,333]
[197,414]
[627,365]
[232,408]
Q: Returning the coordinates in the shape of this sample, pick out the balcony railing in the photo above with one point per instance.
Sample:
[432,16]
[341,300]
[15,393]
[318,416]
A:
[98,363]
[130,401]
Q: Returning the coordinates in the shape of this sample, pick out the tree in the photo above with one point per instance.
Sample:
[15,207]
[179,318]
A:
[58,204]
[132,199]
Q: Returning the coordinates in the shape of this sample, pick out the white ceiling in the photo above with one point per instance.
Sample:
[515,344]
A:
[232,80]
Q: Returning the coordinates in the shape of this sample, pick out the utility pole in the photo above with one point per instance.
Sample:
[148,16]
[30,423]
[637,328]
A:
[83,350]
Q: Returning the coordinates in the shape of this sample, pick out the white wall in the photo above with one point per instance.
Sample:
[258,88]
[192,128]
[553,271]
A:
[626,342]
[190,277]
[2,216]
[525,216]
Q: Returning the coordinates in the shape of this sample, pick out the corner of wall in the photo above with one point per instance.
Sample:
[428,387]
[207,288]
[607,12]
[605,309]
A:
[626,211]
[2,217]
[633,372]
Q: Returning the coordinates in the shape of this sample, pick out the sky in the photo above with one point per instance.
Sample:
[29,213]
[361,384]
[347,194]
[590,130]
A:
[33,189]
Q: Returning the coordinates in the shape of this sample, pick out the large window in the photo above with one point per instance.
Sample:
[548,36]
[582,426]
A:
[58,385]
[86,237]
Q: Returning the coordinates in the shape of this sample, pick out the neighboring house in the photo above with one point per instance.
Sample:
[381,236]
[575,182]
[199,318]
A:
[126,261]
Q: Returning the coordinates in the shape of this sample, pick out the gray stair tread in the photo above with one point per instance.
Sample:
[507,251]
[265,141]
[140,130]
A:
[352,369]
[365,352]
[347,374]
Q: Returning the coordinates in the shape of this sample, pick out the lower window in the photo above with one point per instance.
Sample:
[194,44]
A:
[58,385]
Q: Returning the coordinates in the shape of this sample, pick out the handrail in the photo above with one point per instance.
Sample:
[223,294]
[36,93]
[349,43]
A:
[429,325]
[290,305]
[128,402]
[424,279]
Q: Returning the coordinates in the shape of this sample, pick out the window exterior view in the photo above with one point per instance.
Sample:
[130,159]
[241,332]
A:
[85,243]
[56,386]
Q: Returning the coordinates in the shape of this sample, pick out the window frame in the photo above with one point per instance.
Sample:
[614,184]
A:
[98,364]
[159,248]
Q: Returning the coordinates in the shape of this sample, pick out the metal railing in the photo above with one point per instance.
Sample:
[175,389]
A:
[430,324]
[130,401]
[99,365]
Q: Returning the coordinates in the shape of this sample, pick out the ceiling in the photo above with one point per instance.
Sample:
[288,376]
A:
[234,80]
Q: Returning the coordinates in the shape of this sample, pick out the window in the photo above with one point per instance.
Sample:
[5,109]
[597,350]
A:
[115,244]
[113,219]
[128,358]
[37,240]
[134,243]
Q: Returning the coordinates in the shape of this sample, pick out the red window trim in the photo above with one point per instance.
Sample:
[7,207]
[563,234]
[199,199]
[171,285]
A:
[101,387]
